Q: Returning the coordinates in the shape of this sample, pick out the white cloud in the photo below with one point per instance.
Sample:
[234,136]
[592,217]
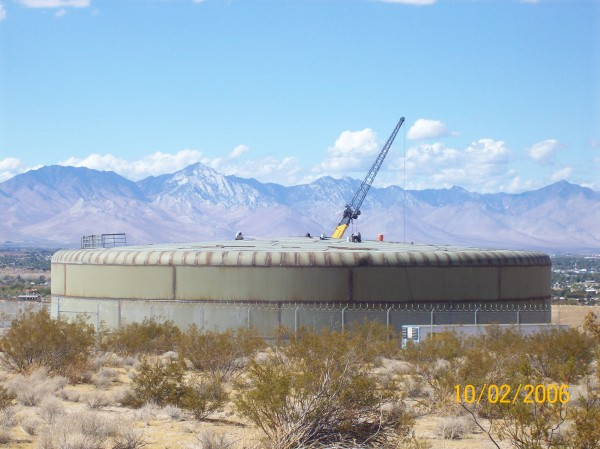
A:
[152,165]
[351,151]
[543,152]
[238,151]
[268,169]
[284,171]
[427,129]
[55,3]
[412,2]
[10,167]
[561,174]
[2,12]
[483,166]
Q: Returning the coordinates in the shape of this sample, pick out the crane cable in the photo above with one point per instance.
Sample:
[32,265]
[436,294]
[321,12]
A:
[404,191]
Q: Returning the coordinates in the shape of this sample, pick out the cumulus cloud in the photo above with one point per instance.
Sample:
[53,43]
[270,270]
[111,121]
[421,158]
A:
[483,166]
[152,165]
[351,151]
[55,3]
[284,171]
[427,129]
[561,174]
[238,151]
[543,152]
[2,12]
[10,167]
[267,169]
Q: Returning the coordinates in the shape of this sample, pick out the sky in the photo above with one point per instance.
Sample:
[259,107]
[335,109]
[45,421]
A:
[498,95]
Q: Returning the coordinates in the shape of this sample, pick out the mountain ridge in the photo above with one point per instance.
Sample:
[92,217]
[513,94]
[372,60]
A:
[56,204]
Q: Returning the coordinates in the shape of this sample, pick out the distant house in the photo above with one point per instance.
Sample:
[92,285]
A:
[30,295]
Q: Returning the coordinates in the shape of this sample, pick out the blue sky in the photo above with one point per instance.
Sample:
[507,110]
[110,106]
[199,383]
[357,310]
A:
[497,95]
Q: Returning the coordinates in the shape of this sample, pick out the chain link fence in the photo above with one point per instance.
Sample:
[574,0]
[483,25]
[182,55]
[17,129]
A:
[266,318]
[10,309]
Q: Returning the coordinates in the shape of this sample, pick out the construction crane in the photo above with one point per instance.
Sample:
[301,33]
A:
[352,210]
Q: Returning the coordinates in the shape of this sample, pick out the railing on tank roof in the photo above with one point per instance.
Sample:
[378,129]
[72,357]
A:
[103,240]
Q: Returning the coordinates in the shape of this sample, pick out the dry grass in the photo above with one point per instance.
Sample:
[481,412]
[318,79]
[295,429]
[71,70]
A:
[572,316]
[51,413]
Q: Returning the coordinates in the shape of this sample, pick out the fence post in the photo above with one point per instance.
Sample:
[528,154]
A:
[97,317]
[431,322]
[296,321]
[476,325]
[248,319]
[344,319]
[119,314]
[387,323]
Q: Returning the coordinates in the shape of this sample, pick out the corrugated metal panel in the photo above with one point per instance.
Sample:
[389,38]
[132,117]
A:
[301,253]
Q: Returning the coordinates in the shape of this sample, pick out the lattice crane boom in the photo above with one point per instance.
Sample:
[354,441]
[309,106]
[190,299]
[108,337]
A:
[352,210]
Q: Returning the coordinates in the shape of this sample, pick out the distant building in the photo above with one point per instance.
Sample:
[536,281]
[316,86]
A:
[30,295]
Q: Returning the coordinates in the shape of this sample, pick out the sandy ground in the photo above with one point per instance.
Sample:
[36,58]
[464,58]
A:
[572,316]
[163,429]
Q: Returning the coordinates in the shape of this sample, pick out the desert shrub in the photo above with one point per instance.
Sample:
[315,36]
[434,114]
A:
[97,399]
[147,337]
[218,353]
[317,390]
[78,431]
[36,340]
[437,364]
[510,361]
[163,383]
[584,432]
[204,396]
[8,417]
[159,383]
[212,440]
[5,437]
[452,428]
[105,377]
[592,326]
[31,424]
[561,355]
[377,339]
[174,412]
[7,398]
[51,408]
[130,439]
[32,389]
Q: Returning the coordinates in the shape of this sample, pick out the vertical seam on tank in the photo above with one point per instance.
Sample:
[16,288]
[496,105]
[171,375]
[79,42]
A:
[350,284]
[174,282]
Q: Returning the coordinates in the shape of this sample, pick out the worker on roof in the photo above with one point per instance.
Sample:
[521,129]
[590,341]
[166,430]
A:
[239,236]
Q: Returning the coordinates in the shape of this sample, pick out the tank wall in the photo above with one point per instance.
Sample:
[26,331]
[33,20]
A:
[57,274]
[119,281]
[408,284]
[526,282]
[301,284]
[262,284]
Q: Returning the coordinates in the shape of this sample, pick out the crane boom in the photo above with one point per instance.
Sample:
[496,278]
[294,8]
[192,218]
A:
[352,210]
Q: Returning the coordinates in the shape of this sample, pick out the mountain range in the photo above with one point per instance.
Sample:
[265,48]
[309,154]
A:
[56,205]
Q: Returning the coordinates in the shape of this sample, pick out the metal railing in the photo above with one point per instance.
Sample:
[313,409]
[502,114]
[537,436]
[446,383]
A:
[103,241]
